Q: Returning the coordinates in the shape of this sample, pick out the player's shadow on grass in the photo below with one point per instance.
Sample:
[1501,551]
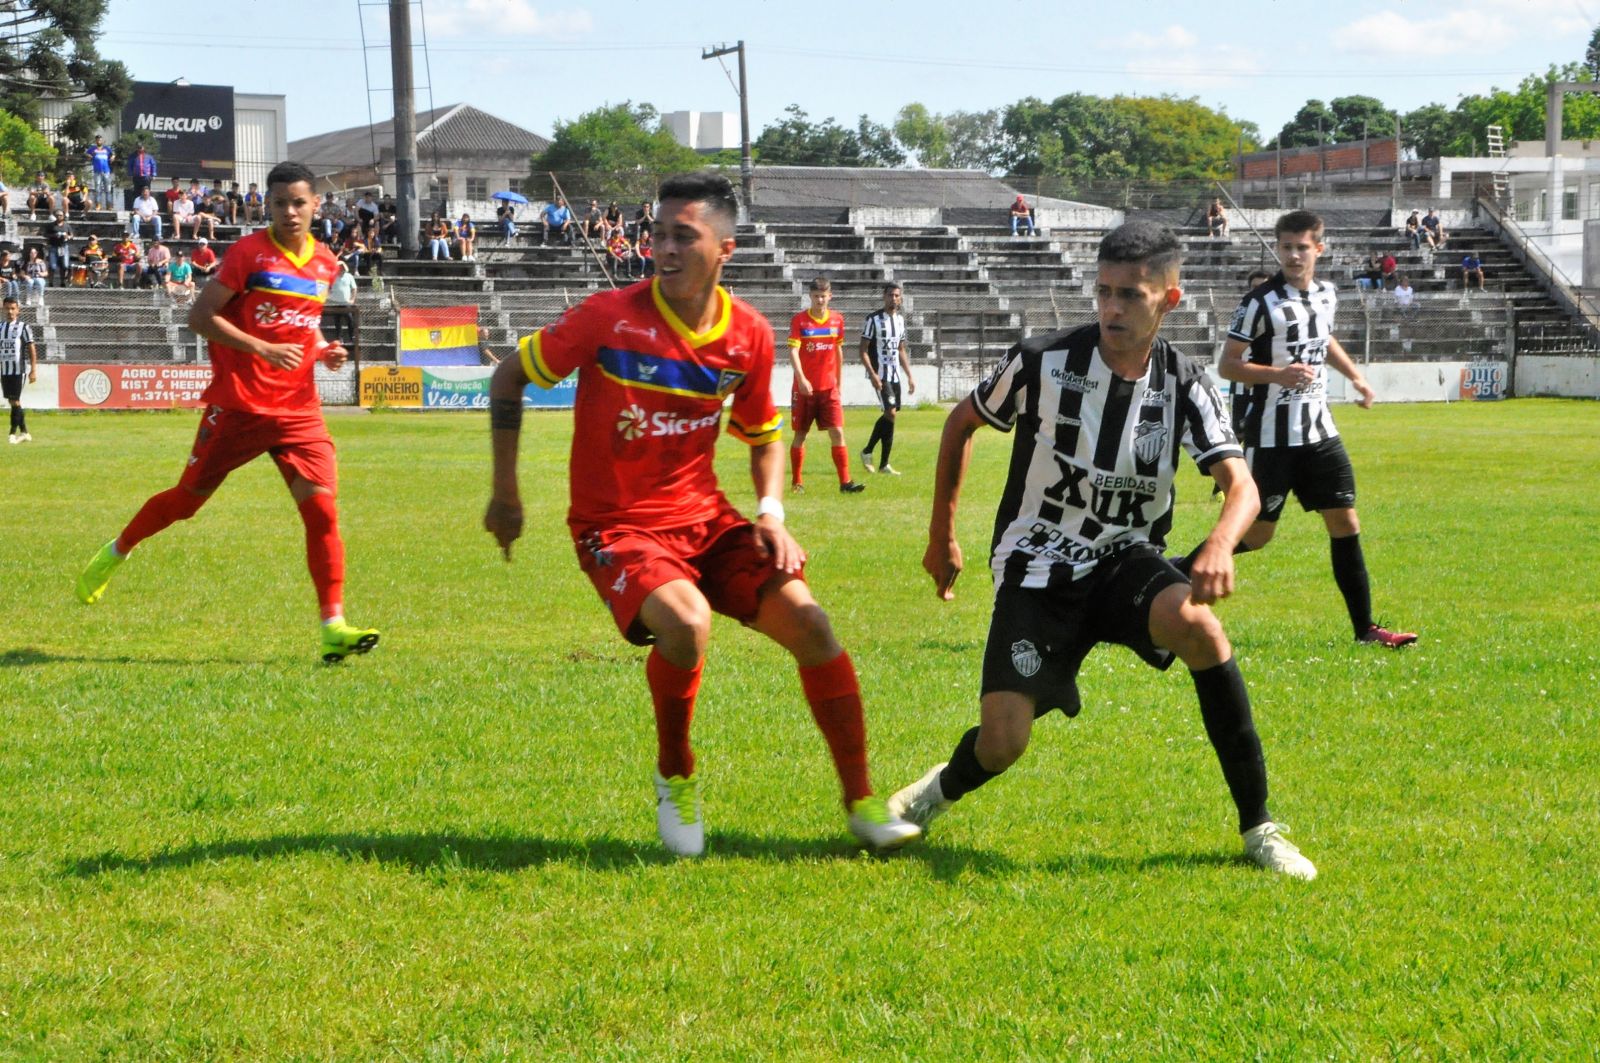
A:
[1099,864]
[443,853]
[29,657]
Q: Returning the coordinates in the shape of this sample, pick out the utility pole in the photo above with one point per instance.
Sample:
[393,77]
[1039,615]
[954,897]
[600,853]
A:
[405,127]
[746,168]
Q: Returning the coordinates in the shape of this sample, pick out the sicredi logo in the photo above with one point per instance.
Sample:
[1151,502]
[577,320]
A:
[166,123]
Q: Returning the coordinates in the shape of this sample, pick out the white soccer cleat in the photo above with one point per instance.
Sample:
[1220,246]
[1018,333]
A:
[13,438]
[923,801]
[1266,845]
[25,437]
[888,470]
[878,828]
[678,815]
[867,462]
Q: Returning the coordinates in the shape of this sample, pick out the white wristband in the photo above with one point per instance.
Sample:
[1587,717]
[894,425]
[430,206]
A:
[770,507]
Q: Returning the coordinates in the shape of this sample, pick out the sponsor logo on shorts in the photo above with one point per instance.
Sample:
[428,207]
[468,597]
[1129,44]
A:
[619,586]
[1273,502]
[1025,658]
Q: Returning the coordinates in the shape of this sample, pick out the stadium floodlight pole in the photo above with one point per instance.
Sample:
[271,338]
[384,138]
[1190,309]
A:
[746,168]
[405,127]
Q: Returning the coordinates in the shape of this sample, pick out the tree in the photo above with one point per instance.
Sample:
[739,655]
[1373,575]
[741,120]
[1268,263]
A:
[965,140]
[798,141]
[925,135]
[1428,129]
[1346,118]
[1591,55]
[878,147]
[623,147]
[23,151]
[47,50]
[1086,137]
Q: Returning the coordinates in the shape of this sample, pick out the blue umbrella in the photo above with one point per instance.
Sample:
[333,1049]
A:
[514,197]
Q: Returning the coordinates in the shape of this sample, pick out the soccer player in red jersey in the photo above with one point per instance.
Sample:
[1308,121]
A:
[654,533]
[262,317]
[816,346]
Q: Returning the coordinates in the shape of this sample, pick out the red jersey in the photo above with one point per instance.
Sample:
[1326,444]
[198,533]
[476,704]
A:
[649,403]
[818,343]
[279,300]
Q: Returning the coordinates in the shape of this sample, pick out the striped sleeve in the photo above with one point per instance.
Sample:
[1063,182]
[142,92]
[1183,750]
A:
[1249,320]
[554,352]
[996,397]
[1207,429]
[533,363]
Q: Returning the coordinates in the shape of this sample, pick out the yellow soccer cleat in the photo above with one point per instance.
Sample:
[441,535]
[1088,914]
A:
[339,640]
[96,575]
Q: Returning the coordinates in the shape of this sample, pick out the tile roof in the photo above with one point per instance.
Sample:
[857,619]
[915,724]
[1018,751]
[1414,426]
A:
[457,129]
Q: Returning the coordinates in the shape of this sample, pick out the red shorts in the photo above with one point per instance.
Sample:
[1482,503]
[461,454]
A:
[820,407]
[721,557]
[227,439]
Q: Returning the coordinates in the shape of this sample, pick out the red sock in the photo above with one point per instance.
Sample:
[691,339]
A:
[673,691]
[835,698]
[158,512]
[841,461]
[797,458]
[324,552]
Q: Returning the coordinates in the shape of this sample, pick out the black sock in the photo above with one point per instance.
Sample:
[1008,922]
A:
[22,420]
[1186,562]
[1350,573]
[888,436]
[964,774]
[1225,709]
[16,417]
[877,434]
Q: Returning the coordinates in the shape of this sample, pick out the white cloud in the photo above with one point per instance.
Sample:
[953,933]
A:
[1179,61]
[1478,32]
[504,18]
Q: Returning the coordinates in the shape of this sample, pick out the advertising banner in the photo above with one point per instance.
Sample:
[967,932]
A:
[395,385]
[467,388]
[130,387]
[192,126]
[1483,381]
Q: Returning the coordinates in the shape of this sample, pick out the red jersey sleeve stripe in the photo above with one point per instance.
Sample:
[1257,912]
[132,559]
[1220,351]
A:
[759,434]
[533,364]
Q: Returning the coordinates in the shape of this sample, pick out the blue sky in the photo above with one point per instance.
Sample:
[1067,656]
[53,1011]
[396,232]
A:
[534,63]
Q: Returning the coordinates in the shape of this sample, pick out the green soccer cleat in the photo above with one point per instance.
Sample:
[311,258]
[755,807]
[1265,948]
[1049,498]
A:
[96,575]
[340,640]
[878,828]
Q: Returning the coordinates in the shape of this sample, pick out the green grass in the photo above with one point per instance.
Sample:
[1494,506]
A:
[211,846]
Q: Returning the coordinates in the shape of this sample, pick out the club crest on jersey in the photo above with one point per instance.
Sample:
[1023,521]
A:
[631,422]
[727,380]
[1149,440]
[1025,658]
[322,289]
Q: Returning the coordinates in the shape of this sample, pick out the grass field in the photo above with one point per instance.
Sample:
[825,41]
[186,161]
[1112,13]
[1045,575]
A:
[211,846]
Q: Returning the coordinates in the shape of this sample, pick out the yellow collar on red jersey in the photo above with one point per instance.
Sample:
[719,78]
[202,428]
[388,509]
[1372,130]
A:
[696,339]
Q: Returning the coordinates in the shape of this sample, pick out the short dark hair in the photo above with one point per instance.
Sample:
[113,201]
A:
[892,286]
[10,300]
[288,173]
[703,186]
[1298,221]
[1142,243]
[821,283]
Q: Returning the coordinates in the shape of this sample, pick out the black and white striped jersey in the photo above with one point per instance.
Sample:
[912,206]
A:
[1093,461]
[886,331]
[14,339]
[1283,324]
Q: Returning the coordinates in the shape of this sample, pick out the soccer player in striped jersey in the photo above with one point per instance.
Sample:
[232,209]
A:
[1280,345]
[1101,414]
[19,357]
[816,347]
[654,533]
[883,352]
[262,318]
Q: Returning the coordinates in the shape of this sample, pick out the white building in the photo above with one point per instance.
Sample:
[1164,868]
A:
[706,131]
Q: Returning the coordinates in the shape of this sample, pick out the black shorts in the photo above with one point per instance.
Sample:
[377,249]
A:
[1319,475]
[889,395]
[11,386]
[1038,638]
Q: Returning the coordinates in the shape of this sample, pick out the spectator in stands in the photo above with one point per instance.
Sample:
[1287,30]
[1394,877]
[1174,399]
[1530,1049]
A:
[370,261]
[1471,270]
[157,261]
[125,262]
[1414,229]
[141,168]
[254,205]
[1405,299]
[1387,268]
[612,221]
[146,212]
[1022,217]
[646,250]
[367,211]
[197,193]
[100,156]
[180,279]
[1432,226]
[183,214]
[1217,218]
[557,219]
[619,253]
[389,227]
[40,196]
[10,275]
[354,250]
[339,312]
[34,274]
[174,193]
[1372,276]
[58,244]
[506,215]
[644,219]
[205,214]
[203,262]
[93,259]
[594,225]
[467,238]
[438,231]
[75,198]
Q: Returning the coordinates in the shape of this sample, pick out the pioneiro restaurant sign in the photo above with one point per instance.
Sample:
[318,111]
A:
[192,126]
